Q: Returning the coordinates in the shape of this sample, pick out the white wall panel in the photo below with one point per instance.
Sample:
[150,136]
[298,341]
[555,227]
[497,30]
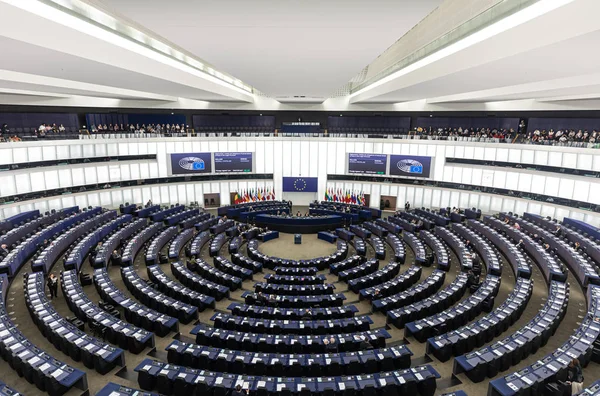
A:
[90,175]
[6,156]
[541,158]
[23,182]
[38,181]
[566,189]
[569,160]
[49,153]
[551,186]
[527,156]
[502,154]
[65,178]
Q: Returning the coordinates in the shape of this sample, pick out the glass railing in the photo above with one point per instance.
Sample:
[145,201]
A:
[479,22]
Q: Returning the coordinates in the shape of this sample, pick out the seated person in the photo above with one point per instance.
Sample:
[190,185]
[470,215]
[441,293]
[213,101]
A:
[364,344]
[472,279]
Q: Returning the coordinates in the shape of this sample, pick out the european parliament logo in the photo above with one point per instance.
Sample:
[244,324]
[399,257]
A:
[410,166]
[299,184]
[192,163]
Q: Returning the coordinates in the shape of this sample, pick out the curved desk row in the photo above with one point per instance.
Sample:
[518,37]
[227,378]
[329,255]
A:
[52,252]
[501,355]
[75,258]
[254,342]
[170,379]
[118,332]
[29,361]
[415,293]
[179,242]
[545,260]
[13,262]
[258,311]
[299,225]
[104,253]
[290,365]
[431,305]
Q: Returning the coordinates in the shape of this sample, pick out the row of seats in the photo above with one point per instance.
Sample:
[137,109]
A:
[458,247]
[331,300]
[359,246]
[161,215]
[393,286]
[287,326]
[75,258]
[116,331]
[19,255]
[359,271]
[520,264]
[179,292]
[64,335]
[501,355]
[417,246]
[442,256]
[135,313]
[417,292]
[474,335]
[321,262]
[156,300]
[137,241]
[44,260]
[546,261]
[294,290]
[255,342]
[389,271]
[228,268]
[257,311]
[458,315]
[115,240]
[205,279]
[490,255]
[35,365]
[178,218]
[378,246]
[295,279]
[288,365]
[431,305]
[397,247]
[192,221]
[582,345]
[179,242]
[172,379]
[158,243]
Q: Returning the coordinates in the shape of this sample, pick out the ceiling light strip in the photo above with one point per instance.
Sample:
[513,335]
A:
[98,18]
[491,17]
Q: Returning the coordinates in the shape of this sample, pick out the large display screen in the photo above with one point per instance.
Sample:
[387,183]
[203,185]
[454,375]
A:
[191,163]
[410,165]
[233,162]
[371,164]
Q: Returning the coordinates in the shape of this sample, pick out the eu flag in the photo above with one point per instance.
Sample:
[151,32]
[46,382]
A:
[300,184]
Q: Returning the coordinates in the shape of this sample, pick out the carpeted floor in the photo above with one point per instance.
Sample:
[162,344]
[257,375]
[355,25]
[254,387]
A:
[284,247]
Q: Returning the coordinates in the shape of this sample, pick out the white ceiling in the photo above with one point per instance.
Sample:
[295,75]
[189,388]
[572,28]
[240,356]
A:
[286,48]
[281,47]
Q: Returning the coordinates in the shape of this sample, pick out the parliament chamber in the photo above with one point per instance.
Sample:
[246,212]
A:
[459,292]
[299,198]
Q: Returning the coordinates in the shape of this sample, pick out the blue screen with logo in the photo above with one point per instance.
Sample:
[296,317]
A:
[410,165]
[191,163]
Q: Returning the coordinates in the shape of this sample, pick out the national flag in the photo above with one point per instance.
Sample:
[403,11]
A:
[236,200]
[260,195]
